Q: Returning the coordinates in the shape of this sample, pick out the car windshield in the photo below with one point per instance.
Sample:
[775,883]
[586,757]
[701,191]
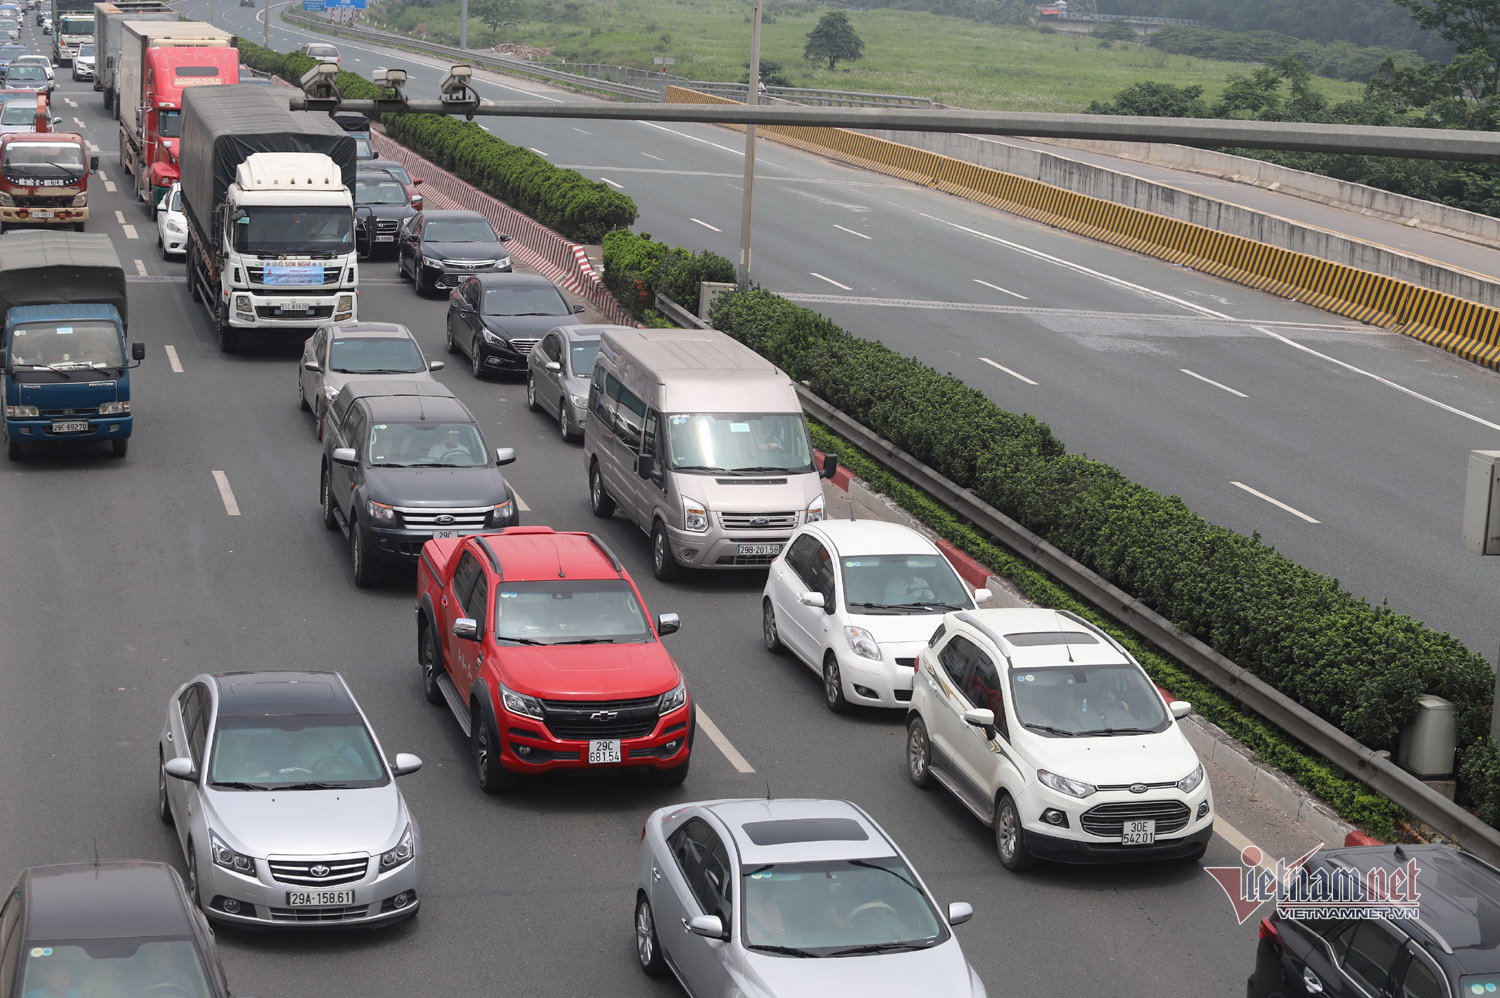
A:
[9,52]
[85,344]
[902,583]
[18,113]
[164,967]
[427,444]
[25,72]
[581,356]
[169,124]
[1064,701]
[753,442]
[524,301]
[461,230]
[322,51]
[86,50]
[175,204]
[375,355]
[394,169]
[379,192]
[44,159]
[269,753]
[272,229]
[565,612]
[837,908]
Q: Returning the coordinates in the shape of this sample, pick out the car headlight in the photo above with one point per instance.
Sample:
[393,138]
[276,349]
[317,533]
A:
[428,261]
[490,336]
[815,509]
[114,408]
[175,227]
[21,412]
[229,859]
[694,515]
[673,700]
[862,642]
[1190,782]
[520,703]
[502,513]
[1063,785]
[80,199]
[380,512]
[580,401]
[404,851]
[504,261]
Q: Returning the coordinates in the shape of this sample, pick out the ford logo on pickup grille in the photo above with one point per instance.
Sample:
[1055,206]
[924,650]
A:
[1138,788]
[443,518]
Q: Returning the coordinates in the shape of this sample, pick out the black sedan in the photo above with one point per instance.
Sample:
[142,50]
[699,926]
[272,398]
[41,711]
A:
[381,202]
[497,318]
[439,248]
[116,927]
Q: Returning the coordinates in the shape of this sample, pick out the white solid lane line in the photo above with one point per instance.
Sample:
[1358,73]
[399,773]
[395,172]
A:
[657,158]
[226,493]
[739,762]
[1210,381]
[581,131]
[830,281]
[173,360]
[536,150]
[520,503]
[1013,374]
[1274,502]
[693,138]
[618,187]
[1003,291]
[140,267]
[701,222]
[851,232]
[129,231]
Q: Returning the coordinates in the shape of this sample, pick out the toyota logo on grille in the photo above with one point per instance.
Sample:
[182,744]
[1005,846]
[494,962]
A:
[318,870]
[759,521]
[1138,788]
[443,518]
[604,715]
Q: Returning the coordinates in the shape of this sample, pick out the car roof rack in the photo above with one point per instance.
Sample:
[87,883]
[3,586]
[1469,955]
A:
[490,552]
[604,548]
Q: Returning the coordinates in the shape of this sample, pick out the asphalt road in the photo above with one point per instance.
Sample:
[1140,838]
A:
[128,576]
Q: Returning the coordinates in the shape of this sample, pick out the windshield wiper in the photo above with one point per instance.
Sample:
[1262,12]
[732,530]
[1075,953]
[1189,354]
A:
[524,641]
[697,467]
[762,469]
[882,948]
[313,786]
[589,641]
[886,606]
[785,950]
[945,606]
[1119,731]
[1047,728]
[234,785]
[378,370]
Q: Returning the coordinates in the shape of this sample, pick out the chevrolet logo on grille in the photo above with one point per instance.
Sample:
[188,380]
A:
[604,715]
[318,870]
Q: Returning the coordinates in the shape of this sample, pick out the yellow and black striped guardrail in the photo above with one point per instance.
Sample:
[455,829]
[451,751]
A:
[1465,328]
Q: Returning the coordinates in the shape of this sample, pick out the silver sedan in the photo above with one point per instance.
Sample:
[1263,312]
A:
[790,898]
[284,805]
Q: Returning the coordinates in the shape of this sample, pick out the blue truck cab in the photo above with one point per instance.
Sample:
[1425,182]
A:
[64,343]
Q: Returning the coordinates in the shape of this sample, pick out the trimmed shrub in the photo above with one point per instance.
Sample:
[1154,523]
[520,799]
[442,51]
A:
[636,268]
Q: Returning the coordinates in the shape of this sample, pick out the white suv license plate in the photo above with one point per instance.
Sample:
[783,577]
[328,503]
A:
[1138,833]
[602,750]
[81,426]
[751,550]
[318,899]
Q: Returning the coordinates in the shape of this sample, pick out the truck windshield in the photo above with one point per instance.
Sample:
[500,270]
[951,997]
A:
[84,345]
[749,443]
[267,229]
[78,25]
[169,124]
[43,159]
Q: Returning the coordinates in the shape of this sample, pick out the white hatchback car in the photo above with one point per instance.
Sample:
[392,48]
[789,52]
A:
[1052,734]
[856,600]
[171,223]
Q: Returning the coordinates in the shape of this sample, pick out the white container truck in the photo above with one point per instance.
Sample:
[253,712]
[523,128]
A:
[107,38]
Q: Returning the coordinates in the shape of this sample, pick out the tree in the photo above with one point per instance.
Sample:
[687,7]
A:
[771,74]
[834,39]
[1155,100]
[1473,26]
[497,14]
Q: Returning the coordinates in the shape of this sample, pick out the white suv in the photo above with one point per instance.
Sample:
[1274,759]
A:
[1052,734]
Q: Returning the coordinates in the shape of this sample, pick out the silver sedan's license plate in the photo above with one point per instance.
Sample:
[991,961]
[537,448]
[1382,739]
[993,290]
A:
[318,899]
[71,426]
[1138,833]
[751,550]
[603,750]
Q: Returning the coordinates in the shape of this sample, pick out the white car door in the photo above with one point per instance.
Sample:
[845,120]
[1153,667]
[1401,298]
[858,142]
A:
[984,761]
[784,585]
[813,568]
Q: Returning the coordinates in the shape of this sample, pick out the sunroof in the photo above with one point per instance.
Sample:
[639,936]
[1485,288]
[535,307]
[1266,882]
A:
[788,830]
[1030,638]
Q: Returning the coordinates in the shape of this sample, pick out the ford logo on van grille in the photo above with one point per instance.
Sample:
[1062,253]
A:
[759,521]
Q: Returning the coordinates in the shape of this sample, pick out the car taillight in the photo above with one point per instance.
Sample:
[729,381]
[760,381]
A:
[1269,934]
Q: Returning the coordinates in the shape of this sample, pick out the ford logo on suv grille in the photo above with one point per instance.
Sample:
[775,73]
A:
[1138,788]
[443,518]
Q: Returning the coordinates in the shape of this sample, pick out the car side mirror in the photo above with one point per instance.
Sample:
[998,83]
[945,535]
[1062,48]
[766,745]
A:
[553,366]
[416,181]
[983,596]
[1180,709]
[312,366]
[344,455]
[181,768]
[137,351]
[960,912]
[93,164]
[55,122]
[505,455]
[645,465]
[982,718]
[814,600]
[577,306]
[707,926]
[466,628]
[668,623]
[434,365]
[830,466]
[505,239]
[405,763]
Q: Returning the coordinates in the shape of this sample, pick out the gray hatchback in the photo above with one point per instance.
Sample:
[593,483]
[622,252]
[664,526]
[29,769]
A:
[790,898]
[558,371]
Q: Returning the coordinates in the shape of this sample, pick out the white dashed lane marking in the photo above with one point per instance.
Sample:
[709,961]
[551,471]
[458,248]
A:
[1013,374]
[520,503]
[1210,381]
[701,222]
[657,158]
[1274,502]
[536,150]
[119,216]
[129,231]
[618,187]
[830,281]
[1003,291]
[226,493]
[739,762]
[140,267]
[851,232]
[173,360]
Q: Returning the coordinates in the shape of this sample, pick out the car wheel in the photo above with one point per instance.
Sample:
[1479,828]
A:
[13,449]
[493,777]
[599,500]
[161,247]
[431,667]
[163,807]
[671,777]
[302,397]
[450,343]
[476,359]
[768,627]
[192,274]
[833,685]
[229,337]
[325,498]
[647,946]
[192,874]
[1010,837]
[531,402]
[119,447]
[562,422]
[424,287]
[663,561]
[366,573]
[918,753]
[319,414]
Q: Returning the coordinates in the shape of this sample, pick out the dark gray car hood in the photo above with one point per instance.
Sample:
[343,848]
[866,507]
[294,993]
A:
[439,487]
[526,325]
[465,251]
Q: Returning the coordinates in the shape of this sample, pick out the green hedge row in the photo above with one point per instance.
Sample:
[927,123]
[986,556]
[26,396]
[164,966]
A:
[579,209]
[1361,667]
[636,268]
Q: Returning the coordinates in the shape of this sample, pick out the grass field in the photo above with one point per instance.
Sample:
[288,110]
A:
[951,60]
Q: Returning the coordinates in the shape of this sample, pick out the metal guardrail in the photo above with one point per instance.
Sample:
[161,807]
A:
[806,95]
[1373,769]
[1065,16]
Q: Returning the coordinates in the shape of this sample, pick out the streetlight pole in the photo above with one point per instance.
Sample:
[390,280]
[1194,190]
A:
[463,24]
[747,201]
[266,32]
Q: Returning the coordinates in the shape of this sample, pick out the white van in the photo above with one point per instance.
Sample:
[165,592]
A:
[702,442]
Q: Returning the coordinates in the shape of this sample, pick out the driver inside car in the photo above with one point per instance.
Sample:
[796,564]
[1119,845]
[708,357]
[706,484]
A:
[906,585]
[158,977]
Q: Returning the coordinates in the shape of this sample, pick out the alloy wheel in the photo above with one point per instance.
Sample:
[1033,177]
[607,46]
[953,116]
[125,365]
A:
[918,752]
[475,363]
[1007,834]
[768,626]
[644,930]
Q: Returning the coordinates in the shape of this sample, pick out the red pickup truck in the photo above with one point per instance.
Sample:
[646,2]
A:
[540,644]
